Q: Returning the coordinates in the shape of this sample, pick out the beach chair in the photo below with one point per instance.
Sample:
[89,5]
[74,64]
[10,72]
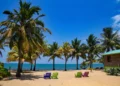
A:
[86,74]
[54,75]
[78,75]
[47,76]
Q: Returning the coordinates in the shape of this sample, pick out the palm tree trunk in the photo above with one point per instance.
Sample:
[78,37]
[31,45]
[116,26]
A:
[21,67]
[77,63]
[53,63]
[65,64]
[31,67]
[91,66]
[18,73]
[34,66]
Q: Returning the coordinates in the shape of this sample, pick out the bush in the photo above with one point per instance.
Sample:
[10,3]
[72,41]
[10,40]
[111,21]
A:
[112,71]
[1,77]
[1,64]
[4,72]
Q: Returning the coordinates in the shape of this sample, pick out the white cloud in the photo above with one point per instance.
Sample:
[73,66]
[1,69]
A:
[116,21]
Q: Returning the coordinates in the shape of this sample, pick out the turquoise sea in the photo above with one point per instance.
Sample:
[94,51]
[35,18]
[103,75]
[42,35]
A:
[48,66]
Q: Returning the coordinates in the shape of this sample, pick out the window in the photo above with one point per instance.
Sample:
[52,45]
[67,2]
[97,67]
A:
[108,58]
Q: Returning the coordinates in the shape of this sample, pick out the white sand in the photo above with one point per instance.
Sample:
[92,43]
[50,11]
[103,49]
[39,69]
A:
[96,78]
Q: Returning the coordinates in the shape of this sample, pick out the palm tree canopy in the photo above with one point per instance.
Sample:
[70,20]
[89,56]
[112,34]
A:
[110,39]
[65,50]
[22,28]
[51,51]
[77,47]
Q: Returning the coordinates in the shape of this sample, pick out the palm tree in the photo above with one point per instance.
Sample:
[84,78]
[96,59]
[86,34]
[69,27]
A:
[22,28]
[13,56]
[110,39]
[91,49]
[66,50]
[52,53]
[77,53]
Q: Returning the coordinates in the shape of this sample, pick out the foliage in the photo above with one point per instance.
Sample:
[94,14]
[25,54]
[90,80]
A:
[4,72]
[78,75]
[77,50]
[23,29]
[110,39]
[1,77]
[66,50]
[91,49]
[112,70]
[1,64]
[84,65]
[51,52]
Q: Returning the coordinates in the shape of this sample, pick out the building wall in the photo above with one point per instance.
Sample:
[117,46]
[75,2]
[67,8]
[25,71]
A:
[115,60]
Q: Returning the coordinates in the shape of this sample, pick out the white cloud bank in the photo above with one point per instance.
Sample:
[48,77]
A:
[116,21]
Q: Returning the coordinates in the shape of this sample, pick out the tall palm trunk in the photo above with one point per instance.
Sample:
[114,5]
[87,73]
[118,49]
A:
[21,67]
[65,64]
[91,66]
[34,69]
[18,73]
[31,67]
[53,63]
[77,63]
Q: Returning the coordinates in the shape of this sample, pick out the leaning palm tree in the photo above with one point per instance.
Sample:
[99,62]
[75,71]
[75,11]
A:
[66,50]
[110,39]
[21,28]
[52,53]
[77,53]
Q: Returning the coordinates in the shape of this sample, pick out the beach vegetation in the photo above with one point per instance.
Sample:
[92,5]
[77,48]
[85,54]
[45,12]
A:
[24,30]
[51,52]
[4,72]
[76,45]
[66,50]
[110,39]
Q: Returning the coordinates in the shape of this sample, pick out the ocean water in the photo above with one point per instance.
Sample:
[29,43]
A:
[48,66]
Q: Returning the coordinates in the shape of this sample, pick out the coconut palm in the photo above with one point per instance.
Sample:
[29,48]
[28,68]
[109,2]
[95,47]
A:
[66,50]
[92,49]
[22,28]
[13,56]
[110,39]
[77,53]
[52,53]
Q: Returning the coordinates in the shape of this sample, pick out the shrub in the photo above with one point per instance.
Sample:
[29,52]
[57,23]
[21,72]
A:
[1,77]
[4,72]
[112,70]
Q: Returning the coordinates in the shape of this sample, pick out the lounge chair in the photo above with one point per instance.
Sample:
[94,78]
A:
[86,74]
[78,75]
[54,75]
[47,76]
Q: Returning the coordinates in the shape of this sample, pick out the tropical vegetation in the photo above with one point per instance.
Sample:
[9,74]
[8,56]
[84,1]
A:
[23,31]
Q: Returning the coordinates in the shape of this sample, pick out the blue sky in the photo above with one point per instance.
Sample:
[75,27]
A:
[68,19]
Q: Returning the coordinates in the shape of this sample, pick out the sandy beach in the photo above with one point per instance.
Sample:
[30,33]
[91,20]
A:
[96,78]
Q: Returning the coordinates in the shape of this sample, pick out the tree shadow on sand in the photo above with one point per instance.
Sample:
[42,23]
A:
[30,77]
[25,77]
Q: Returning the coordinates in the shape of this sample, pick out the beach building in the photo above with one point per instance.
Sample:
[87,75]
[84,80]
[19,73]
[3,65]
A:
[112,58]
